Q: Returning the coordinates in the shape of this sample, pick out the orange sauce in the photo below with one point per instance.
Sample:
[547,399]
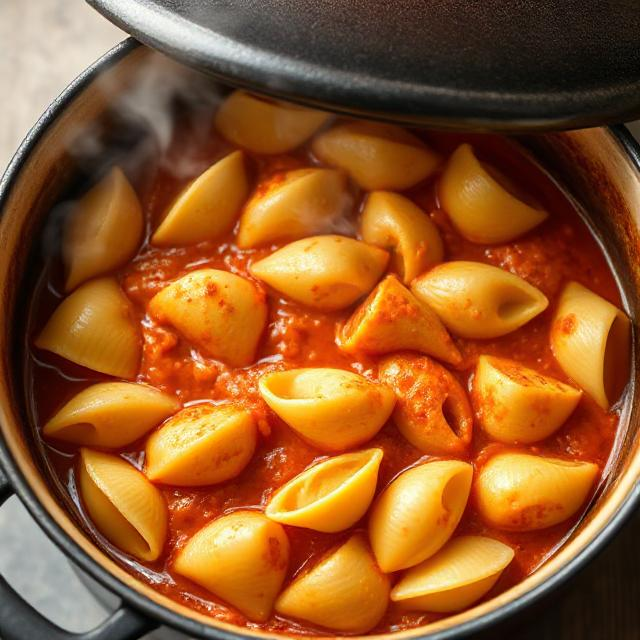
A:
[560,249]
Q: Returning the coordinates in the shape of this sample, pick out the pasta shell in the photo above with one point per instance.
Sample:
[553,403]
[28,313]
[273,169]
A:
[391,221]
[481,208]
[110,414]
[344,592]
[202,444]
[432,410]
[266,126]
[393,319]
[301,203]
[332,409]
[376,155]
[330,496]
[324,272]
[522,492]
[516,404]
[591,340]
[242,558]
[95,328]
[460,573]
[476,300]
[124,506]
[103,231]
[221,313]
[208,207]
[417,513]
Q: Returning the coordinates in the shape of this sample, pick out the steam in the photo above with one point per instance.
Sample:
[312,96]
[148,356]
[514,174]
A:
[148,96]
[138,128]
[345,221]
[142,118]
[341,222]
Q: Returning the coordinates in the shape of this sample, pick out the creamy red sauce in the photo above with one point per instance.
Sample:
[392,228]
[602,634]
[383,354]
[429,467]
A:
[560,249]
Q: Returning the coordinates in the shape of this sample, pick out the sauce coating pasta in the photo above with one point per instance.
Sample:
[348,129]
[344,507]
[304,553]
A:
[298,336]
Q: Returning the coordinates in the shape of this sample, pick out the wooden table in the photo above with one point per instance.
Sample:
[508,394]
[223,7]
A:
[43,45]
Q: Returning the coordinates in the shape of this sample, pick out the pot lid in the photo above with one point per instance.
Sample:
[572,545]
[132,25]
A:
[508,65]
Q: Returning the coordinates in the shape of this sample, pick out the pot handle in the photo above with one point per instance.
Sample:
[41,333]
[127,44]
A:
[20,621]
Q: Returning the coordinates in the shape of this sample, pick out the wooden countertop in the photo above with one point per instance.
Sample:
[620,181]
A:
[43,45]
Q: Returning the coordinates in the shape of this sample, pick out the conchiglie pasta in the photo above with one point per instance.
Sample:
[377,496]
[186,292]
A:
[393,319]
[375,155]
[516,404]
[393,222]
[343,592]
[95,328]
[591,340]
[417,513]
[330,496]
[110,414]
[103,231]
[332,409]
[325,272]
[266,126]
[219,312]
[202,444]
[476,300]
[124,506]
[463,571]
[242,558]
[432,410]
[300,203]
[523,492]
[208,207]
[481,207]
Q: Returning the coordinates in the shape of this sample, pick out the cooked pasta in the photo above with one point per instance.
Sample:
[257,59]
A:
[266,126]
[376,156]
[417,513]
[202,444]
[516,404]
[294,205]
[345,591]
[329,496]
[393,222]
[523,492]
[103,231]
[393,319]
[124,506]
[476,300]
[242,558]
[463,571]
[208,207]
[219,312]
[315,403]
[110,414]
[480,205]
[321,387]
[324,272]
[591,340]
[432,410]
[96,328]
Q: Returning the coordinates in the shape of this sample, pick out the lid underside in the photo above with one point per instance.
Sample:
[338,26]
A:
[484,64]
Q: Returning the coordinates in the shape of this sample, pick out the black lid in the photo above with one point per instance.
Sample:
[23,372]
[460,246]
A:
[484,64]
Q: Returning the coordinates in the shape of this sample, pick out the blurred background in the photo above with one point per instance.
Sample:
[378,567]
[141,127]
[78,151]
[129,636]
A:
[44,44]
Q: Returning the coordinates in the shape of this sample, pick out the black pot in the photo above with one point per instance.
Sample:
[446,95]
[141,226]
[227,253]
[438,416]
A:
[599,167]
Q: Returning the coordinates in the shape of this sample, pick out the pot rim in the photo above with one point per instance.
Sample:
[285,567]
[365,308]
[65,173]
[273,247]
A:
[164,615]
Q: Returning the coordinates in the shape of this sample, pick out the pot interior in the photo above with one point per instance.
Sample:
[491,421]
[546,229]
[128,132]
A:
[128,95]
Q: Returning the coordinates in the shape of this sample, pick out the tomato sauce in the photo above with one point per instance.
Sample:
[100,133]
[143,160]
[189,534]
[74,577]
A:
[560,249]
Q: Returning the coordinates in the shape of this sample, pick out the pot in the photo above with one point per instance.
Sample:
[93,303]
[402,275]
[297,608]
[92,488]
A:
[599,168]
